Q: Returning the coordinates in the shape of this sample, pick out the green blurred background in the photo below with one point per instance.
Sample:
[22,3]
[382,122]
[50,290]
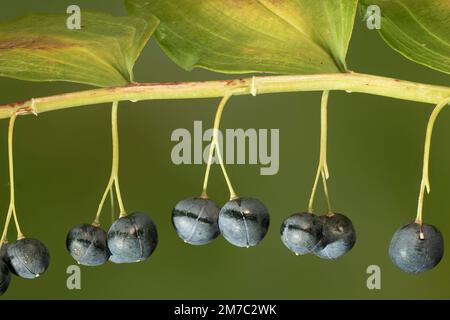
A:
[63,158]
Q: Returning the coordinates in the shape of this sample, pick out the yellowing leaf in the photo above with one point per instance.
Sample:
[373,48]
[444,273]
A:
[40,47]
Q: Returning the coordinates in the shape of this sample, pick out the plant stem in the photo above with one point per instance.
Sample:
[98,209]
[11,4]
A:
[115,165]
[351,82]
[114,178]
[102,201]
[215,146]
[425,182]
[112,205]
[233,194]
[313,191]
[325,191]
[12,205]
[322,168]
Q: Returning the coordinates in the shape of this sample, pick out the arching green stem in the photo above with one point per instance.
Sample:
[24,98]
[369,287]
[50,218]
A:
[350,82]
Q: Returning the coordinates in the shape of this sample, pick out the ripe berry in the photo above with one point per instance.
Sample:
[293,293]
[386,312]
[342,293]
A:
[244,221]
[5,275]
[195,220]
[28,258]
[87,245]
[132,238]
[4,253]
[3,250]
[338,236]
[413,253]
[301,232]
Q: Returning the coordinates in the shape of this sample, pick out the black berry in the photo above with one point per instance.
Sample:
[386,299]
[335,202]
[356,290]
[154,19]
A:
[132,238]
[301,232]
[3,251]
[5,275]
[244,221]
[338,236]
[87,245]
[28,258]
[195,220]
[413,253]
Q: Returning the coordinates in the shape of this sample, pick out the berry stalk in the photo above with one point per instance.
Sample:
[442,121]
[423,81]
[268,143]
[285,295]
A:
[425,182]
[322,168]
[113,182]
[12,205]
[215,147]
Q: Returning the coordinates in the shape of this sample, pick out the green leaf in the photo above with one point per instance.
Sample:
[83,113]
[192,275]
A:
[240,36]
[40,47]
[419,30]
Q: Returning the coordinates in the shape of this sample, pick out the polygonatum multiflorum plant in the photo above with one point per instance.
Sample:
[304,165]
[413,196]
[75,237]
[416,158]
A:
[299,45]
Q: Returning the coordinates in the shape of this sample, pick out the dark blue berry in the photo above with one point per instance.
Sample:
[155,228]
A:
[195,220]
[5,275]
[132,238]
[301,232]
[338,236]
[28,258]
[87,245]
[244,221]
[3,251]
[413,253]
